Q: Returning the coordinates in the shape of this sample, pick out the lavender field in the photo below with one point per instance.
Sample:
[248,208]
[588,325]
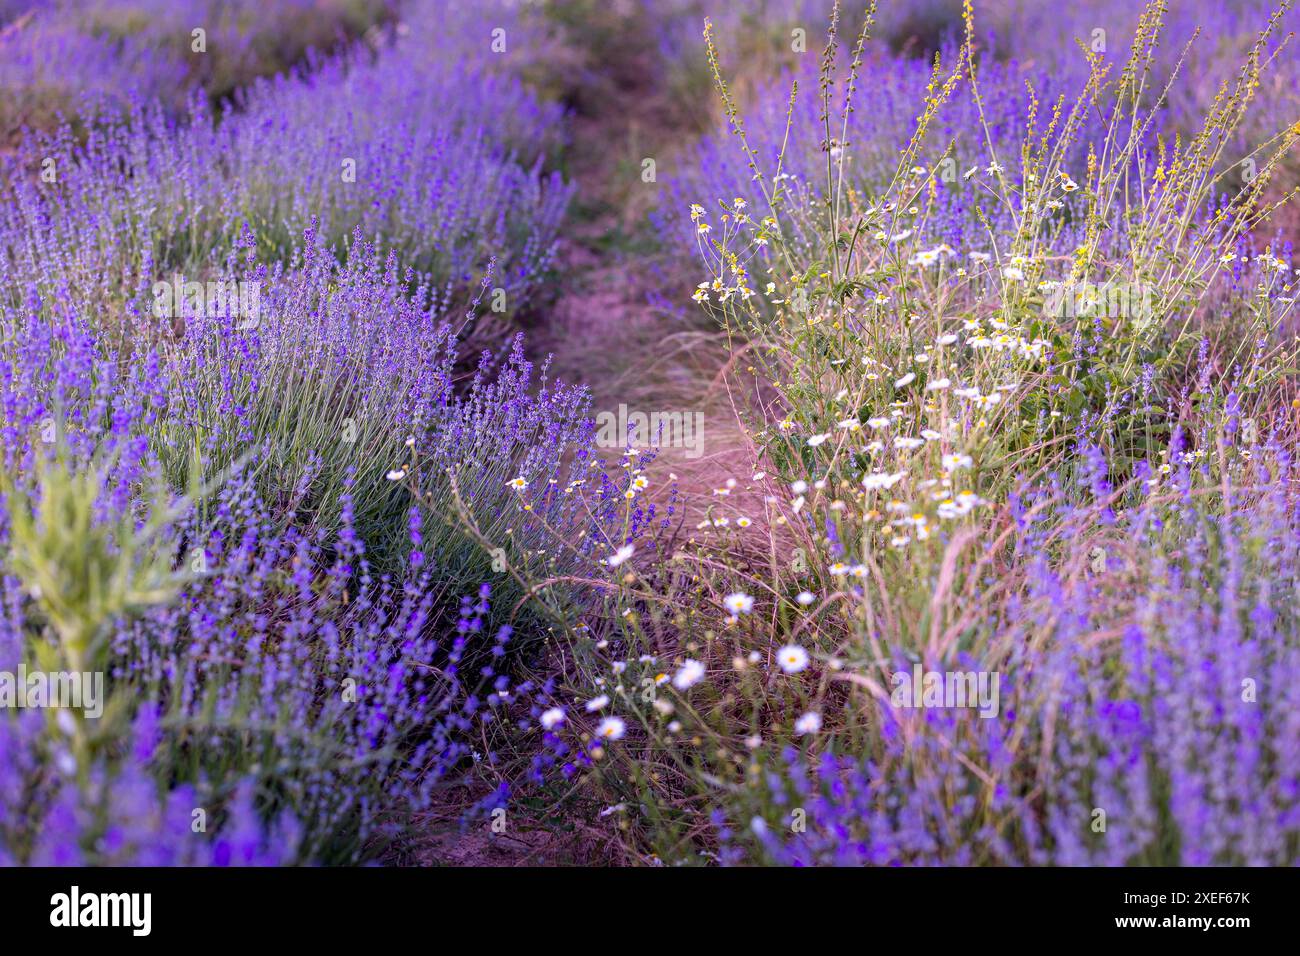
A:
[649,433]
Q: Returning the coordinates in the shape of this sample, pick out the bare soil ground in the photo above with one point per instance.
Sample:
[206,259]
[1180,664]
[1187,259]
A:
[605,328]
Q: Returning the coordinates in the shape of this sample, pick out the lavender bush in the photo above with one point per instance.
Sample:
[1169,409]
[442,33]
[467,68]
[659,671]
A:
[300,635]
[399,144]
[980,129]
[285,649]
[59,58]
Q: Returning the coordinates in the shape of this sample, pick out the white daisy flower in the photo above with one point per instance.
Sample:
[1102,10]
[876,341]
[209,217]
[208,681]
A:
[809,723]
[691,673]
[611,728]
[792,658]
[738,603]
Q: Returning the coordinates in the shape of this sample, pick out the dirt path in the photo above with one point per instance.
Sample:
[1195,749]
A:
[622,322]
[604,330]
